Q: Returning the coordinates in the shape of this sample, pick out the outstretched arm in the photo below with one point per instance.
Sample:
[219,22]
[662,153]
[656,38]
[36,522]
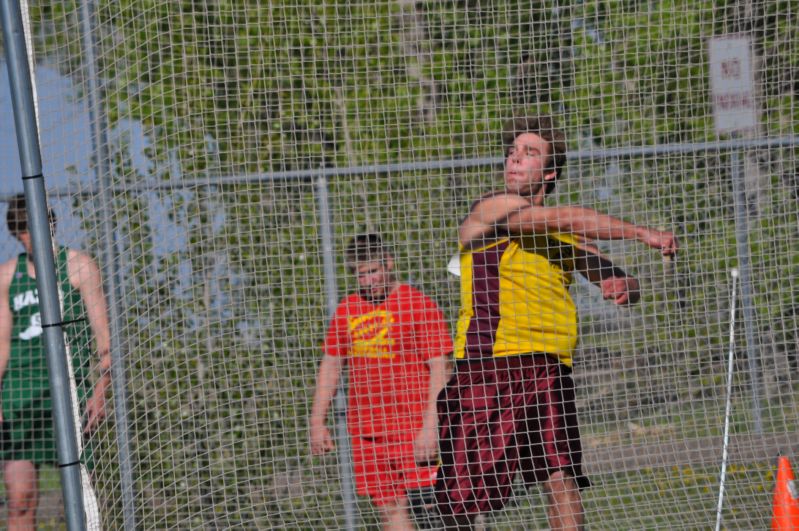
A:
[326,386]
[516,215]
[588,223]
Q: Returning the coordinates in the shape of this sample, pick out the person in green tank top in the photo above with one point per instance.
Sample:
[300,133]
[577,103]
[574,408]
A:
[27,437]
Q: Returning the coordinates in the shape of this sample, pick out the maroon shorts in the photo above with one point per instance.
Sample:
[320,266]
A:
[500,416]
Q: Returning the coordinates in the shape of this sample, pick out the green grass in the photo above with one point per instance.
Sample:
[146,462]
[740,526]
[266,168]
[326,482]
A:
[679,497]
[703,418]
[676,498]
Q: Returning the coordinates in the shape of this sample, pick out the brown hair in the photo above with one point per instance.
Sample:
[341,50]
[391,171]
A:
[365,248]
[543,126]
[17,216]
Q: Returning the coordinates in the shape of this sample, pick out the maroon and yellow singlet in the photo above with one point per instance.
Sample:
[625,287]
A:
[515,298]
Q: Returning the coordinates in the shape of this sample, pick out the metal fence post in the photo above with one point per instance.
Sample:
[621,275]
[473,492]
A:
[745,269]
[99,137]
[340,402]
[27,130]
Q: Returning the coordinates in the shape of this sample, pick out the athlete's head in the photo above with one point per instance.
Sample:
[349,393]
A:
[535,153]
[372,264]
[17,220]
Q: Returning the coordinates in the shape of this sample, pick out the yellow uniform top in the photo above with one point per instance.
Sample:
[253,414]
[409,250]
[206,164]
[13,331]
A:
[515,298]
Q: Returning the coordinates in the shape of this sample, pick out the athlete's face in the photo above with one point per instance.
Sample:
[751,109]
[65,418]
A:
[375,279]
[526,165]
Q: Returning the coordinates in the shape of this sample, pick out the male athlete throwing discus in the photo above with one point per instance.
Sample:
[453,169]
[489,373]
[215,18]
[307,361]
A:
[397,346]
[510,408]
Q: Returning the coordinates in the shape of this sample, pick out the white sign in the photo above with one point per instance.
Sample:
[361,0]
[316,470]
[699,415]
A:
[732,84]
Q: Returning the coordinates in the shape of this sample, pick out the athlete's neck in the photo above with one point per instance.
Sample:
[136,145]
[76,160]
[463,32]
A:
[536,194]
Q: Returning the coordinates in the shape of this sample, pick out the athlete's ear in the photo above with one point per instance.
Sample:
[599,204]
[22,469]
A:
[551,176]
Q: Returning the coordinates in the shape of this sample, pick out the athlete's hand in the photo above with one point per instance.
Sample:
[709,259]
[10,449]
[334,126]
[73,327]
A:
[659,239]
[425,446]
[621,290]
[95,412]
[321,441]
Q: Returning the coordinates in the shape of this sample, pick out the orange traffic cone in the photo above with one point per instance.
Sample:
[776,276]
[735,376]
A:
[786,498]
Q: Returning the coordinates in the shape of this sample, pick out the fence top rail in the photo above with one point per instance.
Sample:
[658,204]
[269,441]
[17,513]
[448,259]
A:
[445,164]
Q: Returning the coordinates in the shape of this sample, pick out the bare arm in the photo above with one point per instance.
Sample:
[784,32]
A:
[586,222]
[6,317]
[84,275]
[326,386]
[487,217]
[615,284]
[516,215]
[425,446]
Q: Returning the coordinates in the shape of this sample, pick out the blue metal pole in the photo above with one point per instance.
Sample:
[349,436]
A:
[46,281]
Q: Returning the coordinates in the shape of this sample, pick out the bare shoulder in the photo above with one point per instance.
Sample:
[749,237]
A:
[76,258]
[488,213]
[500,202]
[7,269]
[81,267]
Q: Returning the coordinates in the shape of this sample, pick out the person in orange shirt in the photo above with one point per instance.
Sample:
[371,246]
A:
[510,408]
[397,347]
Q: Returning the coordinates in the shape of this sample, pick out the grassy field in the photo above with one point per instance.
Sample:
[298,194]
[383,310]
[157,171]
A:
[676,498]
[679,496]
